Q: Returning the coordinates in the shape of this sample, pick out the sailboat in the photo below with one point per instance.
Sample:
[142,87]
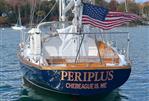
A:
[18,25]
[74,58]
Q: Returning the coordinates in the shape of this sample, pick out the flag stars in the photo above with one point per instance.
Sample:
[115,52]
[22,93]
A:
[95,11]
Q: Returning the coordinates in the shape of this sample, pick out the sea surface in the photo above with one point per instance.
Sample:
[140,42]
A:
[135,89]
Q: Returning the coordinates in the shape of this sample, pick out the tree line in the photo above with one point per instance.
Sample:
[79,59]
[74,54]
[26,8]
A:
[35,10]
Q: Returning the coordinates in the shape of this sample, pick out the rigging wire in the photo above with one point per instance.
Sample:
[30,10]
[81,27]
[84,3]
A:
[32,13]
[77,56]
[48,13]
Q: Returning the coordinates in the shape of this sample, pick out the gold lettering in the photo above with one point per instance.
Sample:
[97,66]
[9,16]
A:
[72,85]
[83,86]
[103,85]
[87,76]
[70,76]
[84,79]
[103,78]
[91,86]
[63,75]
[77,86]
[96,86]
[67,85]
[110,75]
[77,76]
[96,76]
[91,75]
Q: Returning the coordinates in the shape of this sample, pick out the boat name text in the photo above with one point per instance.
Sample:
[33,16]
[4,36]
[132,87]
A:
[87,76]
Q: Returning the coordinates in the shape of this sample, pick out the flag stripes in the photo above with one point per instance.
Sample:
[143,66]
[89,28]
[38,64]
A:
[112,19]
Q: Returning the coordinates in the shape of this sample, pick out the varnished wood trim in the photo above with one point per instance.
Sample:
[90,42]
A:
[73,66]
[24,61]
[84,68]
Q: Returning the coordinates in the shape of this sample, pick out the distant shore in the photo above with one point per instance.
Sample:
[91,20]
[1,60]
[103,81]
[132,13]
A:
[129,24]
[10,10]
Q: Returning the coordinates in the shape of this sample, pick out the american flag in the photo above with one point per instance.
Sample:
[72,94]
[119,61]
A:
[101,18]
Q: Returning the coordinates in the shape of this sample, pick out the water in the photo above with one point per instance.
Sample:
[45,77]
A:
[135,89]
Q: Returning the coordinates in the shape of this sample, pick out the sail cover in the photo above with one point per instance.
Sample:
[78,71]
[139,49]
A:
[70,42]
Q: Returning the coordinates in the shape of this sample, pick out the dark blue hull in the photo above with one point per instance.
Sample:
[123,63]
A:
[77,82]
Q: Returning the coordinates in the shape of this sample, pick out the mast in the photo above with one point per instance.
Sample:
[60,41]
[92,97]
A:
[126,8]
[32,11]
[60,11]
[19,22]
[75,11]
[63,9]
[62,16]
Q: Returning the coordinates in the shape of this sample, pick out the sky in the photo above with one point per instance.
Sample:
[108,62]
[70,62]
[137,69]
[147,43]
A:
[140,1]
